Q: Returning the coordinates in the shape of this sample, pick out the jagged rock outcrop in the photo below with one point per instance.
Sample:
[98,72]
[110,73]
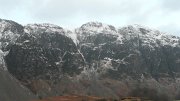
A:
[45,55]
[132,50]
[96,59]
[134,54]
[10,88]
[42,56]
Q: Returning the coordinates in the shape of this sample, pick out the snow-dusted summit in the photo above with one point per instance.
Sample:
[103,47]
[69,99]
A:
[95,58]
[149,37]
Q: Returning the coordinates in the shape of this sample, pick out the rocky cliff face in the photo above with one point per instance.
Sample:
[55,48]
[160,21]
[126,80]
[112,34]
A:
[40,54]
[133,51]
[98,60]
[10,88]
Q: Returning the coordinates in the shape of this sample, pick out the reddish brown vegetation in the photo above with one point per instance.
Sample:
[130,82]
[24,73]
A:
[75,98]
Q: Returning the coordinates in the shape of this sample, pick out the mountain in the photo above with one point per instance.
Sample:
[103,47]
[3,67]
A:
[133,50]
[10,88]
[95,59]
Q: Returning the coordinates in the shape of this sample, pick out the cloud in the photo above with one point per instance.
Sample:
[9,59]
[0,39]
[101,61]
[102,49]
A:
[171,5]
[173,28]
[73,13]
[88,8]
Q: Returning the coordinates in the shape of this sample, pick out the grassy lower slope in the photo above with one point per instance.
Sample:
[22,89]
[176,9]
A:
[11,90]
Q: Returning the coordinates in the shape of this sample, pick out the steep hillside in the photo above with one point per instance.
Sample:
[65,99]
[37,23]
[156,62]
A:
[95,59]
[10,88]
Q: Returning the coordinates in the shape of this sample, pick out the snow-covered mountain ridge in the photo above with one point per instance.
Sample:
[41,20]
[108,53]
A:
[153,38]
[150,37]
[65,61]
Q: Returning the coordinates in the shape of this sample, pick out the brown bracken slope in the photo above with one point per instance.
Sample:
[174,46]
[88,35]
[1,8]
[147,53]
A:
[75,98]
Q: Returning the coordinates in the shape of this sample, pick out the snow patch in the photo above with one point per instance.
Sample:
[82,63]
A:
[94,28]
[2,62]
[149,37]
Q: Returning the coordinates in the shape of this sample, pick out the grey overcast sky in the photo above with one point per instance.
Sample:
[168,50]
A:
[163,15]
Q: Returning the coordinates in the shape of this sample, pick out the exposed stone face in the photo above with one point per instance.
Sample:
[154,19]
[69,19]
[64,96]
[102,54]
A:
[133,55]
[102,61]
[10,31]
[44,56]
[10,88]
[138,51]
